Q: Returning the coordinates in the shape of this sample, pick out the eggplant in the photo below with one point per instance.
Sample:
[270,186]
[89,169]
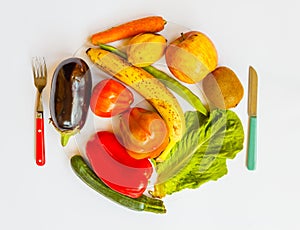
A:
[70,97]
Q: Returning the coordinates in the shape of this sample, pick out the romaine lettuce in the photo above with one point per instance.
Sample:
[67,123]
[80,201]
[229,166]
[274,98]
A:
[202,153]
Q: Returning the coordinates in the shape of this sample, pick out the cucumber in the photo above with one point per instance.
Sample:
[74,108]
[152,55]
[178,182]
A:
[87,175]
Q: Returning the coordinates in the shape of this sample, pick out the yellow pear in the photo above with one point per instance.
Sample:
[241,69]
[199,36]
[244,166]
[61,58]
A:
[145,49]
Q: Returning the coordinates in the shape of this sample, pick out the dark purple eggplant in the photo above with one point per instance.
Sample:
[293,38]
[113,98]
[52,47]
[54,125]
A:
[70,97]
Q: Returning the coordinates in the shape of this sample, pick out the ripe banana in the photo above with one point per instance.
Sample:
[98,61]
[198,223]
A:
[149,87]
[145,49]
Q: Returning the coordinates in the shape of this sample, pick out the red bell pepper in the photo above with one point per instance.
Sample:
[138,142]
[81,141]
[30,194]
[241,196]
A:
[109,98]
[115,167]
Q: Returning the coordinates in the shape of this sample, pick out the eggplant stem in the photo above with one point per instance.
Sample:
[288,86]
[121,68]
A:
[65,136]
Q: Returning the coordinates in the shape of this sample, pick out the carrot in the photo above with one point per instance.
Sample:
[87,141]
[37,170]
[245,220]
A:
[142,25]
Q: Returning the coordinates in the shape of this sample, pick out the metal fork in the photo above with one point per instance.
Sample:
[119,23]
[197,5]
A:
[40,80]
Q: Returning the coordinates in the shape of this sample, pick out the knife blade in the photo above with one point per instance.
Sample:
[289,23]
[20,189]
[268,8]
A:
[252,122]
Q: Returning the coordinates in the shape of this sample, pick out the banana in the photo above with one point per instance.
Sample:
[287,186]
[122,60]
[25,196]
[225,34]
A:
[149,87]
[145,49]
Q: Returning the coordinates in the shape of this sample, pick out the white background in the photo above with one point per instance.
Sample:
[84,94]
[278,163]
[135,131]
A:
[264,34]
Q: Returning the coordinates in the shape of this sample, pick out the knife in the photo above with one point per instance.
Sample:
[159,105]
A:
[252,122]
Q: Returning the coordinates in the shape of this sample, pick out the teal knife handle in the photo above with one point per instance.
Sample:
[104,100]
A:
[251,151]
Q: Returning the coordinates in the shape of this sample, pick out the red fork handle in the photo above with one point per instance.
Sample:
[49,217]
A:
[39,142]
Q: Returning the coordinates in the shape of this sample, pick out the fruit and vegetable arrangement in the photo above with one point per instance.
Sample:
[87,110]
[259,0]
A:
[174,147]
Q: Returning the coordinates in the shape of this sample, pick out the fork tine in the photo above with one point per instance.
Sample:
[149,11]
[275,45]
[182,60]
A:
[44,68]
[33,67]
[39,67]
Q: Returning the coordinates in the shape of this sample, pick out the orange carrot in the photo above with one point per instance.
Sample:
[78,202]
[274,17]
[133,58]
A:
[150,24]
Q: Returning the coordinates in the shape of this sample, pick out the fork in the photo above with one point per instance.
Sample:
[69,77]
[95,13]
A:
[40,80]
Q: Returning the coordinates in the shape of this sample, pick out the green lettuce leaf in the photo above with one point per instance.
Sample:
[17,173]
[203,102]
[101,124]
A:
[202,153]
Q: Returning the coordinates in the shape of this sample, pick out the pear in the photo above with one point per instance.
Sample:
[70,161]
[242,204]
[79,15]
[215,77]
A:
[145,49]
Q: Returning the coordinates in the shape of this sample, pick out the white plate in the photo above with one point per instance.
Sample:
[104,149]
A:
[95,123]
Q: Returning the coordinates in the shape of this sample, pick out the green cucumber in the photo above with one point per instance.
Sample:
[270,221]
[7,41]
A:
[170,82]
[87,175]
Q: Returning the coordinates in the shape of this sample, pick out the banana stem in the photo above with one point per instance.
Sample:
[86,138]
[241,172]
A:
[164,155]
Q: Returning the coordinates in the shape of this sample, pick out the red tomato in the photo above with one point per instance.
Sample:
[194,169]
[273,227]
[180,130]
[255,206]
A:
[109,98]
[115,167]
